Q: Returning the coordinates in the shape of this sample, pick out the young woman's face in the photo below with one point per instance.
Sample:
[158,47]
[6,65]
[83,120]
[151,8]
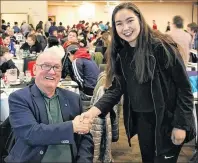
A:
[127,26]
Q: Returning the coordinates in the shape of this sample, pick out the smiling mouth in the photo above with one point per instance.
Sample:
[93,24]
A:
[128,34]
[49,78]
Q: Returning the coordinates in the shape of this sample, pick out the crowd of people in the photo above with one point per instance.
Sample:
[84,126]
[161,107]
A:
[142,65]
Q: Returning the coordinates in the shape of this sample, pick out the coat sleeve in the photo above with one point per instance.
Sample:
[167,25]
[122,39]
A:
[112,96]
[183,115]
[78,71]
[26,127]
[86,145]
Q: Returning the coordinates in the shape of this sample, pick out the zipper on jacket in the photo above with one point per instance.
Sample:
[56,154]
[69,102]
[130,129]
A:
[129,102]
[156,153]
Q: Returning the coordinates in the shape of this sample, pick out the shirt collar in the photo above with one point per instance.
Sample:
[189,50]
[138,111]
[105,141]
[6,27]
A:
[45,95]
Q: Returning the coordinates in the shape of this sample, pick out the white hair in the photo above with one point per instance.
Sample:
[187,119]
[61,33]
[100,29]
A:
[53,51]
[57,49]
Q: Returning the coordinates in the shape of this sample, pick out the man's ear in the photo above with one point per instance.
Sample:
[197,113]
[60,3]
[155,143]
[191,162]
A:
[34,69]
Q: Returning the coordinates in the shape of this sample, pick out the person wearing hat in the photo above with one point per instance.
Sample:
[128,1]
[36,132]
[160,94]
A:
[84,68]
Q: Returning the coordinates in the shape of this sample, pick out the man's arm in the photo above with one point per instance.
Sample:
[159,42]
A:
[26,127]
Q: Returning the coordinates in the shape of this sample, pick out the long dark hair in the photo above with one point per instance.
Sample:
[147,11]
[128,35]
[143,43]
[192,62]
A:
[143,49]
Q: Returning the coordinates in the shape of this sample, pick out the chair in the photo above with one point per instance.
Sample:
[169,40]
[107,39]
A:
[98,58]
[30,67]
[102,67]
[25,63]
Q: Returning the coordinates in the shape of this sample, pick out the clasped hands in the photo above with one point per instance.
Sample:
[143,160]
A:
[82,123]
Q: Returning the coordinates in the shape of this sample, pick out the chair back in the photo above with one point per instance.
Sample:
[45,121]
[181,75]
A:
[102,67]
[30,67]
[26,61]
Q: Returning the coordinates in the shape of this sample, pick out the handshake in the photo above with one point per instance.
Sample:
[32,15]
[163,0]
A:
[82,123]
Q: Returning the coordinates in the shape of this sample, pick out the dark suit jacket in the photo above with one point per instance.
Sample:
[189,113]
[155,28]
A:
[29,120]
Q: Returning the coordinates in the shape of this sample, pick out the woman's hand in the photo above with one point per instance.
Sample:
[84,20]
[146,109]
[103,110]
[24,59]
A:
[178,136]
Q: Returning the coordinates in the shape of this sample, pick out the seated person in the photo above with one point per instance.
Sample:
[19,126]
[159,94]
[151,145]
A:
[45,119]
[41,38]
[6,41]
[6,61]
[31,44]
[85,70]
[102,43]
[53,42]
[72,37]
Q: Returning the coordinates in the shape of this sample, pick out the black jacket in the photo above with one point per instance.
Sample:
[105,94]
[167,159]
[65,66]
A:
[35,48]
[172,99]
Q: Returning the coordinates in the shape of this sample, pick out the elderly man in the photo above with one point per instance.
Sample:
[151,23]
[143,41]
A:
[45,119]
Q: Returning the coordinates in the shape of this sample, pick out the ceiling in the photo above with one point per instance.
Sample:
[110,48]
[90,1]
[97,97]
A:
[77,3]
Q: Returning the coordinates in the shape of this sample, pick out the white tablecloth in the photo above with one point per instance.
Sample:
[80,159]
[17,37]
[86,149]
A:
[69,85]
[19,64]
[4,107]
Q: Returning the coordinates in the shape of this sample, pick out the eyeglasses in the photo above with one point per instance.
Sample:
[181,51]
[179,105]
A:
[46,67]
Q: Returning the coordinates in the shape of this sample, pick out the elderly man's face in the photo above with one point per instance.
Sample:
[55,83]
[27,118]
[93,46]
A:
[45,78]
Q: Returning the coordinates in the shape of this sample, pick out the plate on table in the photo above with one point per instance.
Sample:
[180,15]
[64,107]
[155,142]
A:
[17,82]
[69,83]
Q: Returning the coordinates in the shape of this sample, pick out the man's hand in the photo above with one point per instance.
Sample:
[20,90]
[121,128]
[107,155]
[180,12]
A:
[178,136]
[81,126]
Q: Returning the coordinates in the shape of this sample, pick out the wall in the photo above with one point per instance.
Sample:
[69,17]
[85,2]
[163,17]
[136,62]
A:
[37,10]
[164,12]
[70,15]
[161,12]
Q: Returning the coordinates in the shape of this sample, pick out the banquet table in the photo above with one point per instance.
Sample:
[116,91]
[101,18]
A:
[4,107]
[194,51]
[19,64]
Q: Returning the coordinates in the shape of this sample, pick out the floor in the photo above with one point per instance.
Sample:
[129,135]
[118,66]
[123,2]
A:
[123,153]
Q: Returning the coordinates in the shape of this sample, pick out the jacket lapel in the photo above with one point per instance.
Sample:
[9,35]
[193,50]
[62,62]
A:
[64,105]
[39,101]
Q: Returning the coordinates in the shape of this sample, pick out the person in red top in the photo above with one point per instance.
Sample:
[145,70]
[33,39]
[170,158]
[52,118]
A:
[154,25]
[1,41]
[85,69]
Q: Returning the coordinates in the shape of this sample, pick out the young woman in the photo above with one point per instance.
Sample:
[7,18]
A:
[149,72]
